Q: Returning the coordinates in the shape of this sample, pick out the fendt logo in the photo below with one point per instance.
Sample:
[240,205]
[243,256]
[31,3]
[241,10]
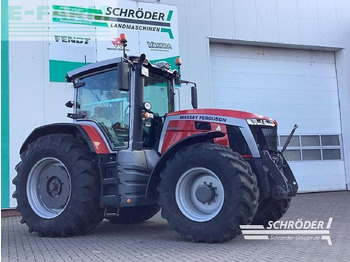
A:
[72,39]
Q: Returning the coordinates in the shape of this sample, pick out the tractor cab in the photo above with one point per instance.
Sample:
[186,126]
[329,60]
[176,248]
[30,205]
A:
[103,95]
[128,99]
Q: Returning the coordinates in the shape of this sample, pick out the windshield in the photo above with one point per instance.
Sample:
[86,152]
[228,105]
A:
[158,91]
[100,100]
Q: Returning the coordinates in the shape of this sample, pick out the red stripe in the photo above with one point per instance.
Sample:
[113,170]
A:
[96,139]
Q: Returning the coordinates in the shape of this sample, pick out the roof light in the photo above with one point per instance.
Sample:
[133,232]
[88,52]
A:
[123,39]
[178,61]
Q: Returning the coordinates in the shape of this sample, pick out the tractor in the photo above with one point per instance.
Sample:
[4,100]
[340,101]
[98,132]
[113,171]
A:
[128,154]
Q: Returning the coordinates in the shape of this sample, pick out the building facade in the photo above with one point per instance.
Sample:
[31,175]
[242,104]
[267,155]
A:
[289,60]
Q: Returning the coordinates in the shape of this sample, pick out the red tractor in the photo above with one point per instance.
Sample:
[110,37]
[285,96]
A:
[128,154]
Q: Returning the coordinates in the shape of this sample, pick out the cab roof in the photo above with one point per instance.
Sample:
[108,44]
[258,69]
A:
[111,63]
[91,68]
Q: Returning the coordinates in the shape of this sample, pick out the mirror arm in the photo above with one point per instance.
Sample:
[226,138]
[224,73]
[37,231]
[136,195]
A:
[187,82]
[194,99]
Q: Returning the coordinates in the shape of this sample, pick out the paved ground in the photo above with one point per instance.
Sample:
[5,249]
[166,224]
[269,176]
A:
[154,241]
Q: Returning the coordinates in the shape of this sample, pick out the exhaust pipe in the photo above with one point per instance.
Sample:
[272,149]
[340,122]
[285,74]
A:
[137,103]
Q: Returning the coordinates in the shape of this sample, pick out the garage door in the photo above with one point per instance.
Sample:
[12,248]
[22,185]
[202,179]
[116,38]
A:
[292,86]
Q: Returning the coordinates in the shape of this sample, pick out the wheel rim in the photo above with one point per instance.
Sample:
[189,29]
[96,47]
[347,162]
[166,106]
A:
[199,194]
[48,187]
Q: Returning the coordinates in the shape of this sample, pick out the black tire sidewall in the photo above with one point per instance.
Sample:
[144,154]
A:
[44,148]
[271,209]
[229,217]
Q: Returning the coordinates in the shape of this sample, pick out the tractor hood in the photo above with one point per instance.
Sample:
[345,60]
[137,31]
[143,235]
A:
[222,112]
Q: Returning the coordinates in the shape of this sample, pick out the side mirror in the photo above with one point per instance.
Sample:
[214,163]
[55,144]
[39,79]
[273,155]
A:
[69,104]
[194,99]
[123,78]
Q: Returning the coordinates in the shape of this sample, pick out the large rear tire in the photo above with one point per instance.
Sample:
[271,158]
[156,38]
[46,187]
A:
[134,215]
[271,210]
[206,192]
[58,187]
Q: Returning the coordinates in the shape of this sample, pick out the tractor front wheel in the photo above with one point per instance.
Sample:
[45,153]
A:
[207,191]
[271,210]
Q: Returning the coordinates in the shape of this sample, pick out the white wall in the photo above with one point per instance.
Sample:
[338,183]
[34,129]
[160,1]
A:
[33,100]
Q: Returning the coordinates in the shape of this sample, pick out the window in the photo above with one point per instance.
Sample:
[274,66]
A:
[99,100]
[293,142]
[330,154]
[330,140]
[312,147]
[310,140]
[292,155]
[158,92]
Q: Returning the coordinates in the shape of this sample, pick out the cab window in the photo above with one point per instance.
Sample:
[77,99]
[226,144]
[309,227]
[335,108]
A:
[99,100]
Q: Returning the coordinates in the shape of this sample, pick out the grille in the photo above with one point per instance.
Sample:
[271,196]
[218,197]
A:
[265,137]
[237,141]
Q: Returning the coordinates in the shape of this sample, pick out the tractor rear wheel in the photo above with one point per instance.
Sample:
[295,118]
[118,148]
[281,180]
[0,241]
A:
[57,187]
[271,210]
[134,215]
[207,191]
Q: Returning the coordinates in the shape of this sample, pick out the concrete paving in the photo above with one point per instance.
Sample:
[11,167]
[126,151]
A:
[154,241]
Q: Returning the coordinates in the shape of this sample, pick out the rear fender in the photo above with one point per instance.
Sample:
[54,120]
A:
[191,140]
[87,133]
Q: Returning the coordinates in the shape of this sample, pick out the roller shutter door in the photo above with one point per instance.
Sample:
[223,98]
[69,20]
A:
[291,86]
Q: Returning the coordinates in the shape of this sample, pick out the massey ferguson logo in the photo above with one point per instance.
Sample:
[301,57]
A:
[117,45]
[72,39]
[116,42]
[159,46]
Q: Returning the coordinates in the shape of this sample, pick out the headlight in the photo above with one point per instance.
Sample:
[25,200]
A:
[147,106]
[260,122]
